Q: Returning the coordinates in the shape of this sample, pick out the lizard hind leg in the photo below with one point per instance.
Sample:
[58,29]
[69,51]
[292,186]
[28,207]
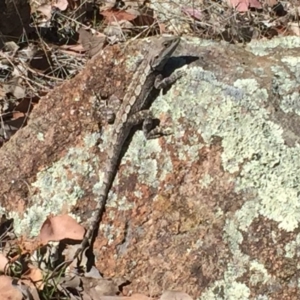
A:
[150,132]
[155,132]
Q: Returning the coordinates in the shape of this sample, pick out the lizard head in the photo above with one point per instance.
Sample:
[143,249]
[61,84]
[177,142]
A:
[162,50]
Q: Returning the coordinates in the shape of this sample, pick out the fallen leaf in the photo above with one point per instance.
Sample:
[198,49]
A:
[61,4]
[98,287]
[174,295]
[70,49]
[41,61]
[7,290]
[239,5]
[91,43]
[271,2]
[2,92]
[18,91]
[295,28]
[12,126]
[3,262]
[115,30]
[143,20]
[26,105]
[192,12]
[139,297]
[27,288]
[60,227]
[244,5]
[14,88]
[255,4]
[46,10]
[112,15]
[31,291]
[34,275]
[133,297]
[12,47]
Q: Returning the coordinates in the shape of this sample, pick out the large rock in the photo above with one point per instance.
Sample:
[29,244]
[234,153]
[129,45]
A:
[212,209]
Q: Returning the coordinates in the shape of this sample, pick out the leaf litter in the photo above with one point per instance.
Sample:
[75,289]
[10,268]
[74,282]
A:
[62,35]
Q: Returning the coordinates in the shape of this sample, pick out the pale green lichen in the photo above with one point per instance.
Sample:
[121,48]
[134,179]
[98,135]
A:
[91,139]
[262,297]
[286,85]
[290,103]
[58,187]
[261,49]
[252,145]
[246,214]
[292,62]
[121,203]
[110,232]
[254,138]
[206,180]
[227,290]
[292,249]
[234,237]
[40,136]
[259,274]
[139,154]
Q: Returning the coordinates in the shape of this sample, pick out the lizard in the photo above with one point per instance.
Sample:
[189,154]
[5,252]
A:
[133,111]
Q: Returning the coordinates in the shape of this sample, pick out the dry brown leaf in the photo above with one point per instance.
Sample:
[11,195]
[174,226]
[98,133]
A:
[72,49]
[115,30]
[12,47]
[244,5]
[111,15]
[34,275]
[143,20]
[139,297]
[46,10]
[31,291]
[271,2]
[2,92]
[239,5]
[12,126]
[27,245]
[60,227]
[97,287]
[255,4]
[14,87]
[34,294]
[295,28]
[17,114]
[192,12]
[7,290]
[91,43]
[133,297]
[3,262]
[25,106]
[61,4]
[108,4]
[18,91]
[174,295]
[133,11]
[41,61]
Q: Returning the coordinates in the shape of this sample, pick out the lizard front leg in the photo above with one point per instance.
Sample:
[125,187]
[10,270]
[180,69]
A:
[161,83]
[146,117]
